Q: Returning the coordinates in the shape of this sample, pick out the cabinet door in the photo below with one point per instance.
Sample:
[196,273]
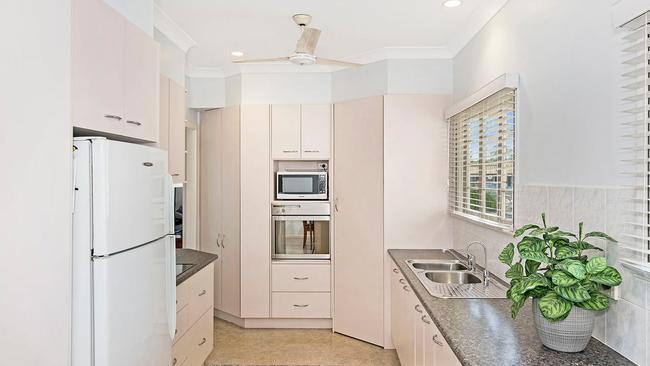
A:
[358,215]
[163,115]
[176,132]
[230,212]
[285,131]
[210,191]
[397,303]
[315,131]
[97,83]
[422,322]
[141,78]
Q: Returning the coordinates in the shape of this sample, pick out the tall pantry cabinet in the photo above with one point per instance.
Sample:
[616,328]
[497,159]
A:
[235,211]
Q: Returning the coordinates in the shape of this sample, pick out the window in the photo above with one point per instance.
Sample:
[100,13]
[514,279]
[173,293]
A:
[482,160]
[635,122]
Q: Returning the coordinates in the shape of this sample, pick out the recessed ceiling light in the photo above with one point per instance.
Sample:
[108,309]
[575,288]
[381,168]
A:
[237,53]
[452,3]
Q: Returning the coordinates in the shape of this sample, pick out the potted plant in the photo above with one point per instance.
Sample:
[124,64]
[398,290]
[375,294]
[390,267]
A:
[549,266]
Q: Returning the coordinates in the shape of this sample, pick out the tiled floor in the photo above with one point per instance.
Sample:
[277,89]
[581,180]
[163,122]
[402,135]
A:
[237,346]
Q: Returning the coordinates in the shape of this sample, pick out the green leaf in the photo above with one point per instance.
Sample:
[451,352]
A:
[598,301]
[553,307]
[573,293]
[598,234]
[596,265]
[516,306]
[542,230]
[537,292]
[561,233]
[531,267]
[525,228]
[565,251]
[563,279]
[573,266]
[608,277]
[516,271]
[528,283]
[507,254]
[583,245]
[529,243]
[535,256]
[550,273]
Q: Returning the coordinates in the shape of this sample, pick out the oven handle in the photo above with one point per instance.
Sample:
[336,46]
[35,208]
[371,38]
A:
[301,218]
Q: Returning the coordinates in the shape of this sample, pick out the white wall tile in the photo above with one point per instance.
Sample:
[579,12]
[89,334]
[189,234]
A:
[626,330]
[560,207]
[530,202]
[590,208]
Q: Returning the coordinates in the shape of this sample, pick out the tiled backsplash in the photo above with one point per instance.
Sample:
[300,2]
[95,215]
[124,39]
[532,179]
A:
[625,326]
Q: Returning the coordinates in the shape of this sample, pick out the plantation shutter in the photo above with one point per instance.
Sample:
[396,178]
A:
[482,160]
[636,126]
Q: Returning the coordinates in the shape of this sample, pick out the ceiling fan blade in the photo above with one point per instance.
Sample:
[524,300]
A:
[327,61]
[261,60]
[308,41]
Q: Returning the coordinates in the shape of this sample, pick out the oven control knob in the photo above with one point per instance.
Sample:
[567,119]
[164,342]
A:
[283,210]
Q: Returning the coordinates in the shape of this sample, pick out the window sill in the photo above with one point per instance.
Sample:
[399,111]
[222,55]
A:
[483,223]
[641,269]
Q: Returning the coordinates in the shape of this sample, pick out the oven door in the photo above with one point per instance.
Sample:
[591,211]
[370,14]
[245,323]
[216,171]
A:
[301,186]
[300,237]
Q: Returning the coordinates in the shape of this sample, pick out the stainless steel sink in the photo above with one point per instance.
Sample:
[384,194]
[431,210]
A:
[455,277]
[437,265]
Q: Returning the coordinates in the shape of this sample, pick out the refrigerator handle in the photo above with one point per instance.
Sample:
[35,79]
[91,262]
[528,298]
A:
[171,205]
[172,287]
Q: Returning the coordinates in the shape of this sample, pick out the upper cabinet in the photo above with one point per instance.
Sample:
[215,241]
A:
[114,74]
[300,132]
[172,126]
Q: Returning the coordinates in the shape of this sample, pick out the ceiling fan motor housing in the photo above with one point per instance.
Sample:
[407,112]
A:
[302,20]
[302,59]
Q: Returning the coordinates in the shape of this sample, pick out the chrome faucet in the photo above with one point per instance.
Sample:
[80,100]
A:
[471,261]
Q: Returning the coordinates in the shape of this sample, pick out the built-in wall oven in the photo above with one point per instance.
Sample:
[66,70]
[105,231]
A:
[301,185]
[300,230]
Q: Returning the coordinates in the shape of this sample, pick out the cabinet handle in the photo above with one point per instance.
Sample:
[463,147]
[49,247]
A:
[436,341]
[289,151]
[202,293]
[418,309]
[312,151]
[301,278]
[202,342]
[133,122]
[406,288]
[176,174]
[112,116]
[218,237]
[223,237]
[174,361]
[300,306]
[395,270]
[424,319]
[401,280]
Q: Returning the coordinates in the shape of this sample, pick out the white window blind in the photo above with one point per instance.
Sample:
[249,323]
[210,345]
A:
[636,126]
[482,160]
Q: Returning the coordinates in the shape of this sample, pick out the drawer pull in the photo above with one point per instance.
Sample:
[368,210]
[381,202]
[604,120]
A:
[176,174]
[174,361]
[436,341]
[395,270]
[401,280]
[301,278]
[406,288]
[312,151]
[301,306]
[202,293]
[133,122]
[424,319]
[112,116]
[202,341]
[418,309]
[289,151]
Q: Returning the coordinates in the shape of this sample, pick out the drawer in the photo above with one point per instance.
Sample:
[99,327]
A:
[300,305]
[183,322]
[196,293]
[195,346]
[300,277]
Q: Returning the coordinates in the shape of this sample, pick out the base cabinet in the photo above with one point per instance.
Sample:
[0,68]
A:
[416,338]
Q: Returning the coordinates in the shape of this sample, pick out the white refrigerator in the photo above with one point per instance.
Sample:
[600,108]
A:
[124,279]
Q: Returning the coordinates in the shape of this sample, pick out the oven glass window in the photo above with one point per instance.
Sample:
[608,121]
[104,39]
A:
[301,238]
[298,184]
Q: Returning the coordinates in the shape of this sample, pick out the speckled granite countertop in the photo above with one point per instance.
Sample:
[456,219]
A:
[197,259]
[481,331]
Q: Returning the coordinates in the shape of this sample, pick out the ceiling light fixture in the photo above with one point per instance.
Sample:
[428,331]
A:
[452,3]
[237,53]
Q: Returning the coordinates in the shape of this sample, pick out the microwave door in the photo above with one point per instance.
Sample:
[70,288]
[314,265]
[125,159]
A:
[300,237]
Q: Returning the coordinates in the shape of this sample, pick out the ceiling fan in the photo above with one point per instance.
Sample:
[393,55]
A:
[304,53]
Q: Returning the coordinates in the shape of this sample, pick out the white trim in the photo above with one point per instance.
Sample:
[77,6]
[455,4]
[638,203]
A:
[627,10]
[409,53]
[165,25]
[508,80]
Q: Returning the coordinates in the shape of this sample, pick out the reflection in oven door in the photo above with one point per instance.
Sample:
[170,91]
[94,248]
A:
[301,237]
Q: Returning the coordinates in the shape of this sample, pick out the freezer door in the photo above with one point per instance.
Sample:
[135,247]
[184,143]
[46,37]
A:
[134,306]
[131,195]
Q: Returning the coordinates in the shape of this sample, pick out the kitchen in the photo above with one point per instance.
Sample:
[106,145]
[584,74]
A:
[325,203]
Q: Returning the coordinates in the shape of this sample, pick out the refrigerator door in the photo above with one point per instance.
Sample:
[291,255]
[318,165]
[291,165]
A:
[131,195]
[134,306]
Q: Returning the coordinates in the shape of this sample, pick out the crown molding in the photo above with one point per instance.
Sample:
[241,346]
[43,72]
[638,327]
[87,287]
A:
[480,17]
[388,53]
[165,25]
[625,11]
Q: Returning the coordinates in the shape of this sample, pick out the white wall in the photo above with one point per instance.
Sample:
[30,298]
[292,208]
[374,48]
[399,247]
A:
[286,88]
[172,59]
[35,189]
[138,12]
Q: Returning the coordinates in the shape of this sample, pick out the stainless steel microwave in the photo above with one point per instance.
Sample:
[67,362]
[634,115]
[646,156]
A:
[301,185]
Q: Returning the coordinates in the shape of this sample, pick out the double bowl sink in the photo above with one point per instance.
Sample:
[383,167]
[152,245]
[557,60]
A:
[451,278]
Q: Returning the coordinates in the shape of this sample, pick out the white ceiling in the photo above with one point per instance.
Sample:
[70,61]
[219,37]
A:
[353,30]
